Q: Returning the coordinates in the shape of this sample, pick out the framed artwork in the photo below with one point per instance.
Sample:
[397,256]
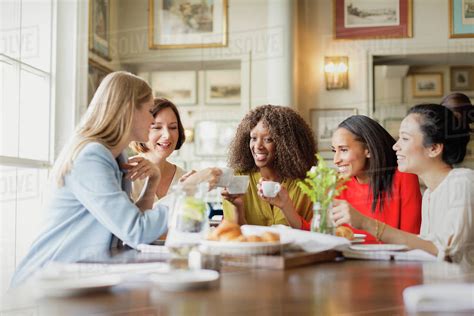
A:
[362,19]
[461,18]
[462,78]
[177,86]
[427,85]
[223,86]
[212,138]
[324,122]
[392,125]
[99,27]
[96,73]
[187,23]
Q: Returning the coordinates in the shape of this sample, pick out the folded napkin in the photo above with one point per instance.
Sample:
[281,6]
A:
[439,298]
[307,241]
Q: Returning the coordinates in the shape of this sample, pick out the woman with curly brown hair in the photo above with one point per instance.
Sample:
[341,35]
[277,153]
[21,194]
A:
[271,143]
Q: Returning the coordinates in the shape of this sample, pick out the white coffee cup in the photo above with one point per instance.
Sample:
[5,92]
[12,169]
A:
[270,188]
[226,177]
[238,185]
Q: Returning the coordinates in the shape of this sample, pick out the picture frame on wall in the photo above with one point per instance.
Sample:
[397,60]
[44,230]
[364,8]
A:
[187,24]
[427,85]
[223,86]
[462,78]
[324,123]
[212,138]
[461,18]
[99,28]
[362,19]
[180,87]
[96,72]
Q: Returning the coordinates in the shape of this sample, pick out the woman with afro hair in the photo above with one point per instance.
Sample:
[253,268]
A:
[271,143]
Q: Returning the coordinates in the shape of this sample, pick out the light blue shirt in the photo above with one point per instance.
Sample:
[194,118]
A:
[85,213]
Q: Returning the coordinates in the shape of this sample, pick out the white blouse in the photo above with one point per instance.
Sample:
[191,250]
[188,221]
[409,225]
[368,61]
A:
[139,185]
[447,215]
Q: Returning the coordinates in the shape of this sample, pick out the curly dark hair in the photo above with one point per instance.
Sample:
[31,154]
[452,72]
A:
[295,147]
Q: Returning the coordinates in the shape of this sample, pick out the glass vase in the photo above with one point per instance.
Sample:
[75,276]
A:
[322,220]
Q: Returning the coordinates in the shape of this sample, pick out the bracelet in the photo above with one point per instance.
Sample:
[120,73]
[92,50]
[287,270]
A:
[379,236]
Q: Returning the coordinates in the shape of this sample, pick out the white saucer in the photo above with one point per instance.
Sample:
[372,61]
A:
[378,247]
[183,280]
[61,287]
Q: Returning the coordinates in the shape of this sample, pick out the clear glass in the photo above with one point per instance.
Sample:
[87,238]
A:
[322,219]
[22,192]
[9,107]
[36,22]
[10,28]
[34,127]
[189,220]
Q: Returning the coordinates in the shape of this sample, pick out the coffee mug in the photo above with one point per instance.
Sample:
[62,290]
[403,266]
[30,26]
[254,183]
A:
[226,177]
[238,185]
[270,188]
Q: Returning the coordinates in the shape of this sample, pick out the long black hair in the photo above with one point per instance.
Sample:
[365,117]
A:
[439,125]
[383,160]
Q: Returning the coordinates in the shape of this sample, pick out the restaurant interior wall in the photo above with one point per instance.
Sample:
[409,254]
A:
[315,40]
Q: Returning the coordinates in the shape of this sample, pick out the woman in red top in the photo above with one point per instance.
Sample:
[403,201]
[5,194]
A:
[363,151]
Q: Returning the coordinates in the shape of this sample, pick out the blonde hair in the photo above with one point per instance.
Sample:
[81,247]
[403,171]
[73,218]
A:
[108,120]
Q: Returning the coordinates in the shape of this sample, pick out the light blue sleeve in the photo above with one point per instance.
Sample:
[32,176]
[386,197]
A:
[94,182]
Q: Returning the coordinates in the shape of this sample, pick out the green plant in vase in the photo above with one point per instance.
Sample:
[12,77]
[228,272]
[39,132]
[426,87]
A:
[322,184]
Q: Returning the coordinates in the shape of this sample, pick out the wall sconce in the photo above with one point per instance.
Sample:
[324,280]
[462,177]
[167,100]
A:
[336,72]
[189,133]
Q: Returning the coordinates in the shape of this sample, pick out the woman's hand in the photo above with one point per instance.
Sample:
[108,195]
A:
[235,199]
[209,175]
[343,213]
[282,200]
[140,168]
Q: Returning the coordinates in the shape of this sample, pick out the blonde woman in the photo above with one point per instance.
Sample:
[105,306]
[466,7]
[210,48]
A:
[89,210]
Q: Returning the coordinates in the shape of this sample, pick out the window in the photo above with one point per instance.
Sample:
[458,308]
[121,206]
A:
[26,113]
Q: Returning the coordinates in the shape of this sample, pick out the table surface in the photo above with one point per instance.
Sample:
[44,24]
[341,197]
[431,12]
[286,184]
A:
[344,287]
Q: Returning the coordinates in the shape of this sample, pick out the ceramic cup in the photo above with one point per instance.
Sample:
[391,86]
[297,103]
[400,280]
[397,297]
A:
[238,185]
[270,188]
[226,177]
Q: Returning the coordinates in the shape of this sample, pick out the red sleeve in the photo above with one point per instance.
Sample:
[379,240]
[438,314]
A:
[410,213]
[305,225]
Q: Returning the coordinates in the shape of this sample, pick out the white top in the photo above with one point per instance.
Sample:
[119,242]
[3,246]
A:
[447,217]
[139,185]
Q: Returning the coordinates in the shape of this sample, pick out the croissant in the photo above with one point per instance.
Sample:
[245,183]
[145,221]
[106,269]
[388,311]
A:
[344,231]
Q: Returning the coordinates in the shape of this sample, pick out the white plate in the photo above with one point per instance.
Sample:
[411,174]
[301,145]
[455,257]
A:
[357,240]
[61,287]
[378,247]
[183,280]
[360,236]
[243,248]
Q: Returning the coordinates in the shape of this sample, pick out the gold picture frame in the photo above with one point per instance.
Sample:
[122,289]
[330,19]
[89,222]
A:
[99,28]
[96,73]
[461,18]
[427,85]
[173,24]
[324,123]
[462,78]
[398,24]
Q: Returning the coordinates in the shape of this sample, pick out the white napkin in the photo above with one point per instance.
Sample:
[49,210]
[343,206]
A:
[308,241]
[79,270]
[439,298]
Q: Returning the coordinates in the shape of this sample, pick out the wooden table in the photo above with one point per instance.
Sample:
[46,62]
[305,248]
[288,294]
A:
[348,287]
